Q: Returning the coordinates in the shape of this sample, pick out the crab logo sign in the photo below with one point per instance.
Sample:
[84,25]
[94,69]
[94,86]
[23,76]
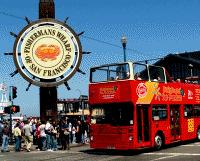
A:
[141,90]
[49,49]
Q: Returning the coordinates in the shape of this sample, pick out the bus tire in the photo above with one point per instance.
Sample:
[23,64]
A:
[158,140]
[198,134]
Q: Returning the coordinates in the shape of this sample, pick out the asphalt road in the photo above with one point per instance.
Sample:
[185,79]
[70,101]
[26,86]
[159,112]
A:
[183,152]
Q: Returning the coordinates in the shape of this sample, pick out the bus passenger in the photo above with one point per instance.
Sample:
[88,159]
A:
[137,76]
[127,75]
[111,79]
[117,77]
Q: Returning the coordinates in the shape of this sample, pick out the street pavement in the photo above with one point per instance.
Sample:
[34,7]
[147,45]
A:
[11,147]
[176,152]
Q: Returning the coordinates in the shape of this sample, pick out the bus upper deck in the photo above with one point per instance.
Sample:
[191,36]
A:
[129,70]
[138,83]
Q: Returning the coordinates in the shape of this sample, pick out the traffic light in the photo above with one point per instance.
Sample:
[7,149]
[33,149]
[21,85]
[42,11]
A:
[11,109]
[7,109]
[15,109]
[14,92]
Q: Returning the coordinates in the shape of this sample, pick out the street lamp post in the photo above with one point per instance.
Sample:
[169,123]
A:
[124,42]
[190,67]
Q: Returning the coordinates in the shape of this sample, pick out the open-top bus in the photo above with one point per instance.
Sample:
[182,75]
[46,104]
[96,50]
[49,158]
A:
[136,105]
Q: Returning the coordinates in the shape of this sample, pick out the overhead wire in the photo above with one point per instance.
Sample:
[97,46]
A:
[114,45]
[87,37]
[11,15]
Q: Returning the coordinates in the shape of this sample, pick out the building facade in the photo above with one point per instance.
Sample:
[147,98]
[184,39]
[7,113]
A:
[182,66]
[76,107]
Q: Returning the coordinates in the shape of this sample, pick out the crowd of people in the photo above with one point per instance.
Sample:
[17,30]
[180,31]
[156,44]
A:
[47,135]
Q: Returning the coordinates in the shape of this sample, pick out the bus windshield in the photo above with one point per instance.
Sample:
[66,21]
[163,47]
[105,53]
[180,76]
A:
[114,114]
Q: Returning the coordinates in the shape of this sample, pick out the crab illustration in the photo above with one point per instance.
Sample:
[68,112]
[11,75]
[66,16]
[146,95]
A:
[47,52]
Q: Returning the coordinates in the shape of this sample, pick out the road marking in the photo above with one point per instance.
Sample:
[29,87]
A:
[191,145]
[164,158]
[177,154]
[194,144]
[170,155]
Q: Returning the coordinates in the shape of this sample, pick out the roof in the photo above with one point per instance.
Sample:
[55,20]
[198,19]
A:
[190,57]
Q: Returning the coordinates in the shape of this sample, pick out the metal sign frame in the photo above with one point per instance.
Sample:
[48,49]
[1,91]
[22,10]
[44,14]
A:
[34,78]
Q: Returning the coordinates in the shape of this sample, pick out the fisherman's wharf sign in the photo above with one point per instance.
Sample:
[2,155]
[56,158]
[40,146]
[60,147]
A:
[47,49]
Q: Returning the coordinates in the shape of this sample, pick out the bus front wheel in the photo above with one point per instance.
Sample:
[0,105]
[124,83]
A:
[198,134]
[158,142]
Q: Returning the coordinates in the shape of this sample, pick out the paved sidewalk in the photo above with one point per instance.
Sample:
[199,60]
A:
[34,147]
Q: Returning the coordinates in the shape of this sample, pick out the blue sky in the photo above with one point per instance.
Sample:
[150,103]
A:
[154,28]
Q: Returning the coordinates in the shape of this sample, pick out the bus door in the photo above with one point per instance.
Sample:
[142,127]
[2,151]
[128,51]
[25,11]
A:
[143,123]
[175,121]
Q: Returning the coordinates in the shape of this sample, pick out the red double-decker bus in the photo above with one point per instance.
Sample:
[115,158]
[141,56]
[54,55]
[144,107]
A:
[137,105]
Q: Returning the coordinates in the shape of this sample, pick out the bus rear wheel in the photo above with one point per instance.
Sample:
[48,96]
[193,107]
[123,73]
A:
[158,142]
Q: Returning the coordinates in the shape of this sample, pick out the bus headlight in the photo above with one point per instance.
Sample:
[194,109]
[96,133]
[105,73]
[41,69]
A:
[130,138]
[91,138]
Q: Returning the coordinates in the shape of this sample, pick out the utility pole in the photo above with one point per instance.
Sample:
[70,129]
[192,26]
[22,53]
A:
[48,95]
[10,99]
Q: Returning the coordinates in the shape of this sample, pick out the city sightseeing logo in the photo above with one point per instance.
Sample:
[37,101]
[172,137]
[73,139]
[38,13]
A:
[141,90]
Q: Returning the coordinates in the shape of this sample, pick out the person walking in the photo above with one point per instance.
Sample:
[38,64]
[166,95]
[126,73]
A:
[6,132]
[42,136]
[49,140]
[54,136]
[28,137]
[73,135]
[79,132]
[17,135]
[65,135]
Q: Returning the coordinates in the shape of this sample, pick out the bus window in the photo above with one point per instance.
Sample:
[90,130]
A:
[188,112]
[122,72]
[140,71]
[113,113]
[110,73]
[197,110]
[156,73]
[97,113]
[159,112]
